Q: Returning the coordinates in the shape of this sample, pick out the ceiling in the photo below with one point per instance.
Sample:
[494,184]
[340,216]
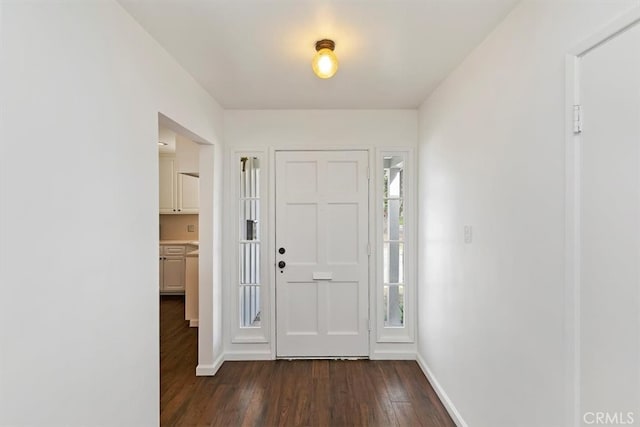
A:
[168,137]
[256,54]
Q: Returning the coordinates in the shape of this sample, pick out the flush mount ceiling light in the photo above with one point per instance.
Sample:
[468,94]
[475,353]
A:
[325,62]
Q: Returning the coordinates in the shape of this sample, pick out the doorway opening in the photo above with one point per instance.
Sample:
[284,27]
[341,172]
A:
[186,241]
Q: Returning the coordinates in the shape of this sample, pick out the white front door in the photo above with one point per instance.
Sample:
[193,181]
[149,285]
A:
[609,229]
[321,246]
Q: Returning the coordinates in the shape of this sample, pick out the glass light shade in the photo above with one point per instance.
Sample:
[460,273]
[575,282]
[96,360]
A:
[325,63]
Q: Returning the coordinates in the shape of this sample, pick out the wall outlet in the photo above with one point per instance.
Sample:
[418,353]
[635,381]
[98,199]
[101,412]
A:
[468,234]
[191,228]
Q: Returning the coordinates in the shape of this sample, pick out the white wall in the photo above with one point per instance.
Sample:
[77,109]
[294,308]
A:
[491,155]
[210,334]
[82,85]
[320,128]
[290,129]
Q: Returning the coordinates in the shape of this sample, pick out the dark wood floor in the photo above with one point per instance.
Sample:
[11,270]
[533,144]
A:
[287,393]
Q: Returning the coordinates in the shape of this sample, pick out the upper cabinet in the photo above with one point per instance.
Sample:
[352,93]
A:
[188,156]
[168,187]
[179,193]
[188,194]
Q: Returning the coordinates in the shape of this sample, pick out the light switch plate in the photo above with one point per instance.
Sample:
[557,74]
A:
[468,234]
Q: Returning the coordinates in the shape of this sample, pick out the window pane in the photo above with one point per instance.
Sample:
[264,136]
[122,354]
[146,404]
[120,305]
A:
[393,258]
[249,263]
[393,234]
[393,220]
[249,246]
[393,176]
[249,306]
[249,214]
[393,306]
[249,177]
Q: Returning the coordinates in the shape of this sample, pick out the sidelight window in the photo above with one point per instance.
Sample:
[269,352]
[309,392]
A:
[395,299]
[249,243]
[393,241]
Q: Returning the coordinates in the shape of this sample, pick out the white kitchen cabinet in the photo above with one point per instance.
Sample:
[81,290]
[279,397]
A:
[188,155]
[188,194]
[179,194]
[173,274]
[161,285]
[172,269]
[167,196]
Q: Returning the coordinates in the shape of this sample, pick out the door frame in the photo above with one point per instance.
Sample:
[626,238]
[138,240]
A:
[272,236]
[572,329]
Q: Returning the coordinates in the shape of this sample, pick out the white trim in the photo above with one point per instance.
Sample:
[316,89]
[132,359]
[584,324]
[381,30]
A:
[572,212]
[238,334]
[572,290]
[609,31]
[271,237]
[444,398]
[210,370]
[393,355]
[193,323]
[372,250]
[312,147]
[249,355]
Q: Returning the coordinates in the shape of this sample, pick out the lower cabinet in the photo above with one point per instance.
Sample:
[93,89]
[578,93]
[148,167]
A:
[172,269]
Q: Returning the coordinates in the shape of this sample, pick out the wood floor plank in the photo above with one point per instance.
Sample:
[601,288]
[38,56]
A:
[320,369]
[287,393]
[427,405]
[405,414]
[256,409]
[374,392]
[395,387]
[321,404]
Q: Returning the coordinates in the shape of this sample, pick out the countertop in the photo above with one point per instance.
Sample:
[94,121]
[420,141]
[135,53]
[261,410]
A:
[193,253]
[180,242]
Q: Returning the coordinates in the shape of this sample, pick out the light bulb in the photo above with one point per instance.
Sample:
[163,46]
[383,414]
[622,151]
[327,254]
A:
[325,62]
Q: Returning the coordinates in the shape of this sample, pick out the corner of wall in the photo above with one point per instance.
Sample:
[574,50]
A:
[444,398]
[210,370]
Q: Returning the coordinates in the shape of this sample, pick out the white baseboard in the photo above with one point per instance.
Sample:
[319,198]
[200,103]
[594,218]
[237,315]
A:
[249,355]
[210,370]
[444,398]
[193,323]
[393,355]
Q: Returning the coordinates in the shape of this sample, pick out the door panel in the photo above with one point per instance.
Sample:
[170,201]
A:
[609,227]
[302,318]
[301,241]
[342,319]
[342,233]
[301,178]
[322,222]
[342,177]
